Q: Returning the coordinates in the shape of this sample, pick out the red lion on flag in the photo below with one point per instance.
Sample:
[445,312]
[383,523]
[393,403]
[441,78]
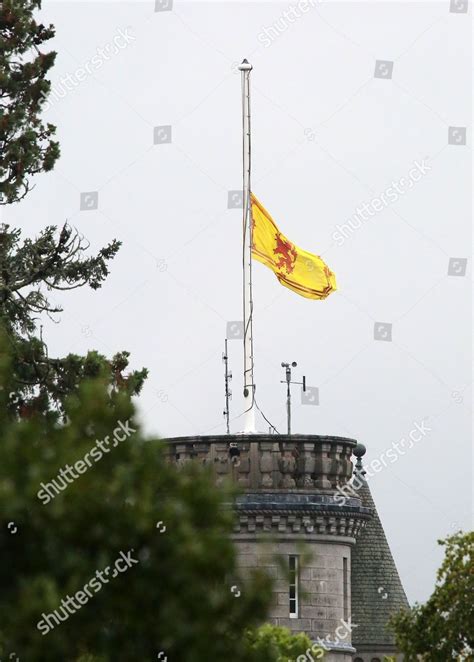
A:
[286,252]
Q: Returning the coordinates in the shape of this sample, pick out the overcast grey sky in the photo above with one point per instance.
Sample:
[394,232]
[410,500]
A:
[332,131]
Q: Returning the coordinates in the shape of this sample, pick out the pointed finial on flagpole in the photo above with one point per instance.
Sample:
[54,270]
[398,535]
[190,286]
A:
[245,66]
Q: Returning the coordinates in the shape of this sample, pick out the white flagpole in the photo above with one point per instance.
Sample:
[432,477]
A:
[249,386]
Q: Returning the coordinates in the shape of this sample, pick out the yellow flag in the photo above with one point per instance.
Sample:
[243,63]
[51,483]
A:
[295,268]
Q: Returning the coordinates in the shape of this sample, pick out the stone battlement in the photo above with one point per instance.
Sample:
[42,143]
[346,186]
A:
[270,462]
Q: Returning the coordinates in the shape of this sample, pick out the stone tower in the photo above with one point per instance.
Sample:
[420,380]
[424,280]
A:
[287,509]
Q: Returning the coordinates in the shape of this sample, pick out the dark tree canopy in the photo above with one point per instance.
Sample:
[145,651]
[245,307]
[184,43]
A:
[443,628]
[30,271]
[174,597]
[26,143]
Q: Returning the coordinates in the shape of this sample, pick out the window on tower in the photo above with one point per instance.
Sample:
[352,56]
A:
[294,586]
[345,588]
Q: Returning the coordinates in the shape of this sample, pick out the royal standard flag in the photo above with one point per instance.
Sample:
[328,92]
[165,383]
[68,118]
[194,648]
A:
[295,268]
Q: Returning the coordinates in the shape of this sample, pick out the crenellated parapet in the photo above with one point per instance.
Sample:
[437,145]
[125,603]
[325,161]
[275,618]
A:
[270,462]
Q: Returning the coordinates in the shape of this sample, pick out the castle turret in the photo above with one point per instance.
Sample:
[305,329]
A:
[288,487]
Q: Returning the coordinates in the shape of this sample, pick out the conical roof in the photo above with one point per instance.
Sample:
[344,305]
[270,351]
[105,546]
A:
[377,591]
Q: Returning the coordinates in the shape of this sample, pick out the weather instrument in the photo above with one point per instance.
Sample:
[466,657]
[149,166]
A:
[288,383]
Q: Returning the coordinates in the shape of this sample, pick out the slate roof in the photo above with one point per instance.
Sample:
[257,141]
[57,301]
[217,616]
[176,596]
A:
[377,591]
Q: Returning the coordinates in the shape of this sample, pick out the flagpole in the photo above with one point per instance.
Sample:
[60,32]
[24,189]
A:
[249,385]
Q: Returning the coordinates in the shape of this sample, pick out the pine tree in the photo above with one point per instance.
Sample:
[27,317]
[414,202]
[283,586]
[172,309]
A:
[30,271]
[26,144]
[56,260]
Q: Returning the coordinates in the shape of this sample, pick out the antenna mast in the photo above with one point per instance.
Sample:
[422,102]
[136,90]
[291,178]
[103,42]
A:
[288,389]
[228,392]
[249,385]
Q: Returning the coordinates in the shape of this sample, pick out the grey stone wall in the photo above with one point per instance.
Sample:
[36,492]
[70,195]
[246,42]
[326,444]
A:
[321,606]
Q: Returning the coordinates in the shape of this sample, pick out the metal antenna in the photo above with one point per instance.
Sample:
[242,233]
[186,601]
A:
[288,382]
[228,392]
